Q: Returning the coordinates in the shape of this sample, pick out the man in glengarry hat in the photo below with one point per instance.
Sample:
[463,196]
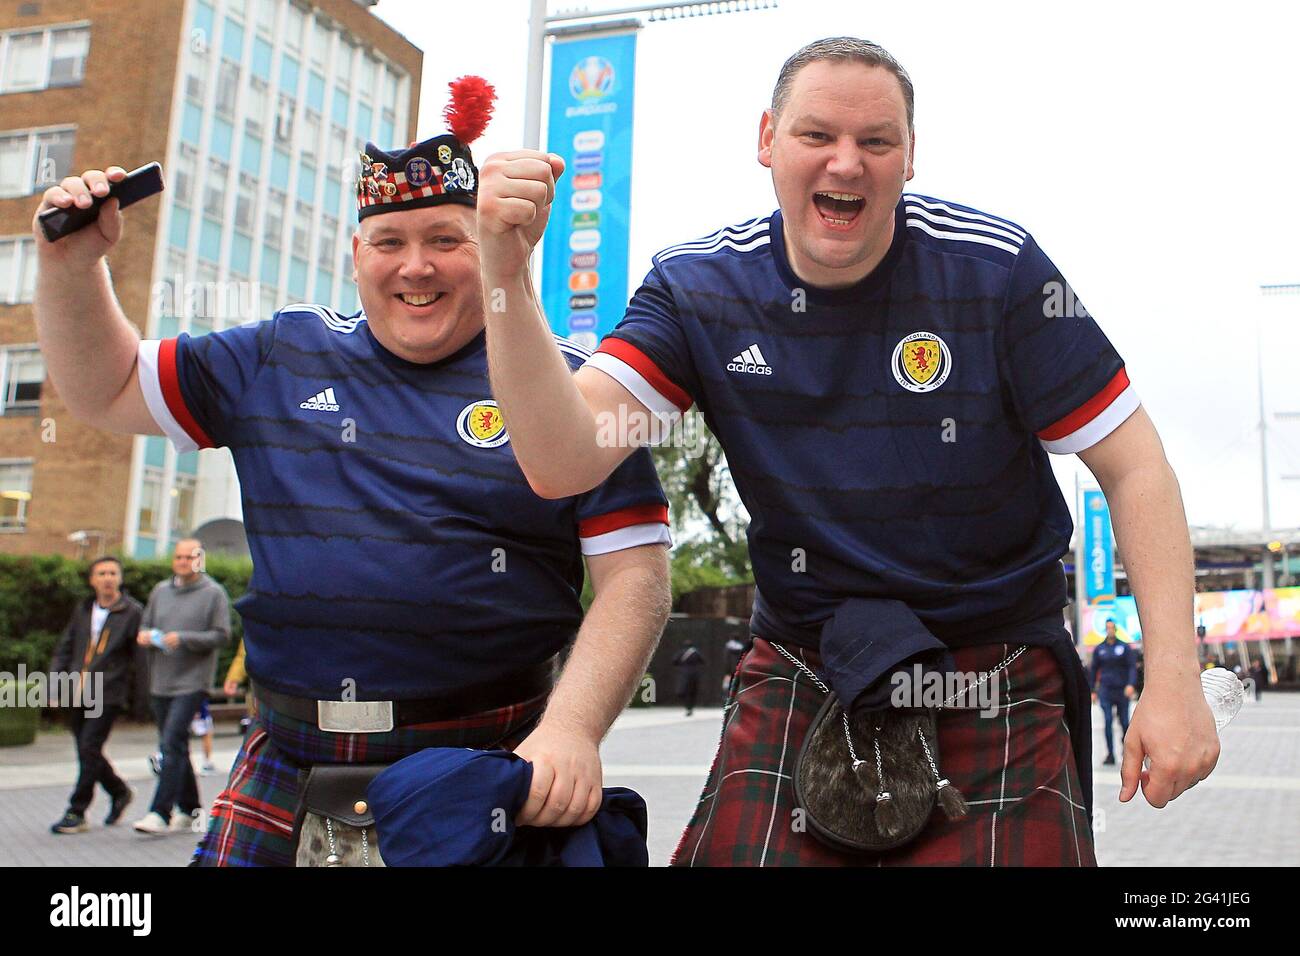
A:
[401,560]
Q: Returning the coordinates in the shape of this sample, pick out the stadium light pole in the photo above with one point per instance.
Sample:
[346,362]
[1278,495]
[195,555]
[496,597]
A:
[1277,289]
[541,25]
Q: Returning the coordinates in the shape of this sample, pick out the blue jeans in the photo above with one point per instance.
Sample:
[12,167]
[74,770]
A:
[176,784]
[1113,699]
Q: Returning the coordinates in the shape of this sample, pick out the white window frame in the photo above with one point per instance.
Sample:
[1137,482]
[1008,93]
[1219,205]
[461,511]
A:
[9,406]
[33,155]
[21,518]
[47,58]
[11,286]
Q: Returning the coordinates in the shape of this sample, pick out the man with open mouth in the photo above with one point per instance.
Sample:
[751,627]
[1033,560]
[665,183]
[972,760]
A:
[887,374]
[409,590]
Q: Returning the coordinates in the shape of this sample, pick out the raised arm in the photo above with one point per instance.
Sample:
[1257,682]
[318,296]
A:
[89,346]
[554,416]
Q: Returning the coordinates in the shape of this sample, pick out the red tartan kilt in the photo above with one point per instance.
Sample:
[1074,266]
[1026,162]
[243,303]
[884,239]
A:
[1016,770]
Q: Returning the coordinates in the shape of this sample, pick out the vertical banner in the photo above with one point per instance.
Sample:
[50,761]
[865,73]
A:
[1098,551]
[584,254]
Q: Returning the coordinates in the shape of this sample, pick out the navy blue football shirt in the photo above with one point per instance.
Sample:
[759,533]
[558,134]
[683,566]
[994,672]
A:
[395,540]
[889,439]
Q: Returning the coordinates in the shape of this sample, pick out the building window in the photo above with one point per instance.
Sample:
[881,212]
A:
[68,49]
[390,90]
[266,16]
[178,232]
[232,41]
[284,119]
[17,269]
[274,225]
[343,60]
[182,499]
[241,255]
[32,160]
[320,41]
[307,181]
[194,87]
[22,372]
[227,87]
[270,302]
[334,194]
[183,179]
[214,192]
[311,131]
[150,501]
[40,59]
[293,25]
[328,227]
[367,84]
[256,110]
[250,155]
[338,157]
[246,204]
[301,228]
[15,492]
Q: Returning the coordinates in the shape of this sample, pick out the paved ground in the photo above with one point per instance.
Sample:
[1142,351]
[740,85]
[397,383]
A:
[1247,814]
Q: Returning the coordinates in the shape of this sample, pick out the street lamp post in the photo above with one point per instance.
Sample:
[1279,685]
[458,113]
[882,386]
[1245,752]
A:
[1279,289]
[1269,553]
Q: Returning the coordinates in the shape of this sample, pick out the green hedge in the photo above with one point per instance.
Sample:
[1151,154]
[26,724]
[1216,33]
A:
[38,593]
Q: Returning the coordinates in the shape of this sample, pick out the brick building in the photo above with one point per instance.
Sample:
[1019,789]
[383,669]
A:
[257,110]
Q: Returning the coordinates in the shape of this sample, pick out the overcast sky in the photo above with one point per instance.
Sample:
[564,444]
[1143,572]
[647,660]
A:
[1152,152]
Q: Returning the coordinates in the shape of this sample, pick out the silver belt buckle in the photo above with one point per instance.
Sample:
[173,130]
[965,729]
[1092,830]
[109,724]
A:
[355,716]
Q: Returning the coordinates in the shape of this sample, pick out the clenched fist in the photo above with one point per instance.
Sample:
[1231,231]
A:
[515,192]
[96,239]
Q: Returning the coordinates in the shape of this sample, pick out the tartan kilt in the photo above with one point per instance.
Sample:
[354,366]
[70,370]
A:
[251,822]
[1016,770]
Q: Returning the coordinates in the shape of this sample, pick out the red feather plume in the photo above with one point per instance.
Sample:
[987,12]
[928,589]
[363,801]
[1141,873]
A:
[470,108]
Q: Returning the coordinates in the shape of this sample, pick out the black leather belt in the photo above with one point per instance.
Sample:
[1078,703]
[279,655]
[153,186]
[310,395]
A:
[462,702]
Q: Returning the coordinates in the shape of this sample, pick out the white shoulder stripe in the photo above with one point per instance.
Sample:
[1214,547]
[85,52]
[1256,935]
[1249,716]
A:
[994,231]
[568,345]
[742,231]
[737,229]
[965,214]
[961,236]
[747,246]
[332,319]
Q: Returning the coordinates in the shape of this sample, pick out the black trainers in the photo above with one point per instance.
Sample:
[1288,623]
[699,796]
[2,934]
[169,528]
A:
[71,823]
[1109,761]
[118,807]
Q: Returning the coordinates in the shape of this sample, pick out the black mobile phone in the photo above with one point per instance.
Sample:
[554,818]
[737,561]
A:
[139,184]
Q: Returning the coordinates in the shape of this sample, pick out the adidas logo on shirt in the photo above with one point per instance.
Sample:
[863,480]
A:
[751,360]
[322,402]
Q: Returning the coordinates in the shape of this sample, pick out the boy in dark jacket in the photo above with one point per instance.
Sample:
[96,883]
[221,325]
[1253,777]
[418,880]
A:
[100,643]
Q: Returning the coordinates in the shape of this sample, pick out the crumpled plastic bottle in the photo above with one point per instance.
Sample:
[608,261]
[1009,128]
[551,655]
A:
[1224,692]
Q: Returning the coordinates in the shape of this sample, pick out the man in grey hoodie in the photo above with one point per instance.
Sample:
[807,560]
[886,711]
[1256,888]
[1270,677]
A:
[185,624]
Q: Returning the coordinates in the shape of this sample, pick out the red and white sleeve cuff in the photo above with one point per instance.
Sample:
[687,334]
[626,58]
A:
[625,528]
[1094,419]
[161,385]
[631,368]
